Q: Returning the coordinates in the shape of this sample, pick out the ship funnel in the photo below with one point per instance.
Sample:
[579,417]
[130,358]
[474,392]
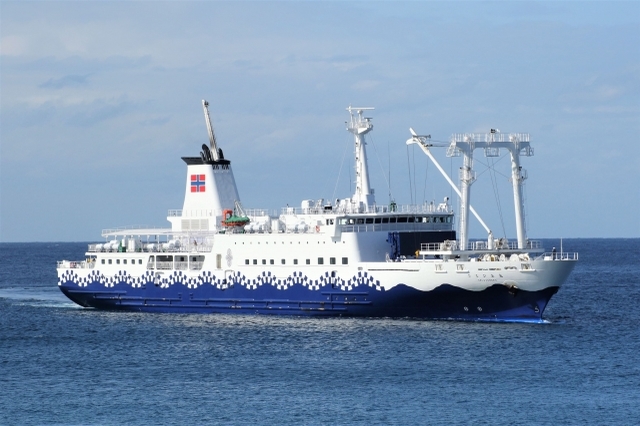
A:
[210,187]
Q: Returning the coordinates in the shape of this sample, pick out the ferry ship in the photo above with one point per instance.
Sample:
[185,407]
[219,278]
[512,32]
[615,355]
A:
[344,257]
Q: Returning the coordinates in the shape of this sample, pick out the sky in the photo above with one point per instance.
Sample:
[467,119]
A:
[99,100]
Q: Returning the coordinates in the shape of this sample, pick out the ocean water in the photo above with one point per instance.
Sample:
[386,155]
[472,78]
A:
[62,364]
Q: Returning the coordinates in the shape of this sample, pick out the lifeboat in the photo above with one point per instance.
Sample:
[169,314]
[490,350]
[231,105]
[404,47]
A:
[229,219]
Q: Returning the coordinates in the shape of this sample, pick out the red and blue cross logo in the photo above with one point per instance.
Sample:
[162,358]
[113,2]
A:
[197,183]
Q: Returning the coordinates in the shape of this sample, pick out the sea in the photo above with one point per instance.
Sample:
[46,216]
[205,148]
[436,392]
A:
[61,364]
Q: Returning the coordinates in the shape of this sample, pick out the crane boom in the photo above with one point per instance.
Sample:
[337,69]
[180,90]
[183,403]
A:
[212,137]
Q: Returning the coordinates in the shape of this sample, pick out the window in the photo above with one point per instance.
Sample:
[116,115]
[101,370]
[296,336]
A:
[264,261]
[271,262]
[246,261]
[117,261]
[385,220]
[369,220]
[320,261]
[282,261]
[345,260]
[139,261]
[124,261]
[255,261]
[308,261]
[110,261]
[295,261]
[332,260]
[103,261]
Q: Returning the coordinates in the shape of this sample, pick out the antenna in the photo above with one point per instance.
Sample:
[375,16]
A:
[212,137]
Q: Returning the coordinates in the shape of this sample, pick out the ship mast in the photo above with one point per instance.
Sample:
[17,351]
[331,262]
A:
[364,197]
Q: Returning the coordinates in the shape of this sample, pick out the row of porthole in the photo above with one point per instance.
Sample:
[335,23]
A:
[124,261]
[332,261]
[290,242]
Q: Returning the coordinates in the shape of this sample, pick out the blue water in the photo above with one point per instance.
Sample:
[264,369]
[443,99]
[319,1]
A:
[62,364]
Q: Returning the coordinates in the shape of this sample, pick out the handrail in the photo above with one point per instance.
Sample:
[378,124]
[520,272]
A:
[396,208]
[565,255]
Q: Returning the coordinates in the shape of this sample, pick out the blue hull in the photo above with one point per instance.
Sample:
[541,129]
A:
[495,303]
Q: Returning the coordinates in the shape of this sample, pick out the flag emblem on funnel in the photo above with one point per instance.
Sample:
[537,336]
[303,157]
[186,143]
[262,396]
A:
[197,183]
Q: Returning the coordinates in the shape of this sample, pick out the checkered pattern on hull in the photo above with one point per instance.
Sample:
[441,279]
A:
[221,281]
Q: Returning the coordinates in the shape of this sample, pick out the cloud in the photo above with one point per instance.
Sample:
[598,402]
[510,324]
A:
[12,46]
[348,62]
[365,85]
[99,110]
[246,65]
[66,81]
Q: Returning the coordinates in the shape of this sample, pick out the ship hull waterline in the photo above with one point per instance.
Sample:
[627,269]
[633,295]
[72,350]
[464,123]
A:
[499,303]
